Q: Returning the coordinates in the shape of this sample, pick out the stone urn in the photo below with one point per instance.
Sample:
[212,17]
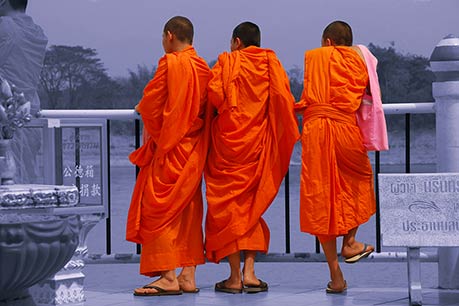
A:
[35,241]
[7,163]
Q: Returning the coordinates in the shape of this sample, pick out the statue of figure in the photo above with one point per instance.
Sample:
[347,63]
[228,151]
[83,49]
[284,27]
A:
[22,52]
[14,113]
[14,109]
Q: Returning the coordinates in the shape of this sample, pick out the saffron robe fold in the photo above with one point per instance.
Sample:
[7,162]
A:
[337,189]
[166,210]
[252,139]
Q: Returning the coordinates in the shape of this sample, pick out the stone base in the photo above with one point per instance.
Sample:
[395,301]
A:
[60,290]
[41,224]
[22,298]
[66,287]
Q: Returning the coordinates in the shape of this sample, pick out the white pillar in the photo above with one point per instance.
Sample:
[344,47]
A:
[445,64]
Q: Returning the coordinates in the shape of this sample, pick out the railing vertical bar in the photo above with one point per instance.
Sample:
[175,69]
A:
[287,211]
[59,160]
[317,246]
[137,169]
[378,214]
[407,142]
[109,211]
[77,158]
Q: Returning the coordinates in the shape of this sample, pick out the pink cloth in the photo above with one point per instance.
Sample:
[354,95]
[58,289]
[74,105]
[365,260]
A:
[370,115]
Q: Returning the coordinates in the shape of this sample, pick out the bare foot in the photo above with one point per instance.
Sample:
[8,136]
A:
[349,251]
[337,282]
[250,278]
[232,283]
[333,288]
[187,284]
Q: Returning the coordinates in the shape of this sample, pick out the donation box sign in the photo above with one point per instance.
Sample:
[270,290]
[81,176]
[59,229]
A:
[83,163]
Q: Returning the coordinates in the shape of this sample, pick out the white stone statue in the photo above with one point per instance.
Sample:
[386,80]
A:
[14,113]
[14,109]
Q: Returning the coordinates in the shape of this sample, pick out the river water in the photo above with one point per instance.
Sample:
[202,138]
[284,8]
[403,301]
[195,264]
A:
[122,182]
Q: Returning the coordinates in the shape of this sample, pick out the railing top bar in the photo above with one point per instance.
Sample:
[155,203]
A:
[115,114]
[126,114]
[409,108]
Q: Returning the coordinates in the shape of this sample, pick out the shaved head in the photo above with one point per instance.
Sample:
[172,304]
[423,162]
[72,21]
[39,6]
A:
[181,27]
[249,34]
[339,32]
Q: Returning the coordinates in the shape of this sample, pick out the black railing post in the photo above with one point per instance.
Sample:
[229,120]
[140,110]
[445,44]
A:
[58,149]
[407,143]
[287,211]
[137,169]
[108,227]
[378,213]
[77,158]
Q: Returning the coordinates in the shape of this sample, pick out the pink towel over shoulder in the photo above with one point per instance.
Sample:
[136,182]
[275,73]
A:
[370,115]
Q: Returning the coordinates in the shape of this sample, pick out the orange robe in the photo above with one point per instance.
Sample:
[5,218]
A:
[252,138]
[166,209]
[337,191]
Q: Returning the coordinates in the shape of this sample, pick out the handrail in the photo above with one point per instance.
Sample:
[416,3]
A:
[409,108]
[126,114]
[112,114]
[405,109]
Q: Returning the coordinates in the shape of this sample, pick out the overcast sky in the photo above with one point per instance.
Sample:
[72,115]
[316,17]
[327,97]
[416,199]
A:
[128,32]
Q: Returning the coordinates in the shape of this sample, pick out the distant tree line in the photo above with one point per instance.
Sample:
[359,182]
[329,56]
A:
[405,78]
[74,77]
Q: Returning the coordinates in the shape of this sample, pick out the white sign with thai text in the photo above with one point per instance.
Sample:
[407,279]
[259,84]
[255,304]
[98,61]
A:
[419,210]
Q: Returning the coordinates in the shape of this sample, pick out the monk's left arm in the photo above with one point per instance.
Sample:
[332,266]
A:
[301,105]
[215,87]
[155,93]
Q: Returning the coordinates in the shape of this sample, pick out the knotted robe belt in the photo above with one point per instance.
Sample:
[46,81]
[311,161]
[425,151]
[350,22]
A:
[315,111]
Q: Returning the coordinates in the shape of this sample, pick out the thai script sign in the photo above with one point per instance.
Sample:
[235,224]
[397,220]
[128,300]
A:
[419,209]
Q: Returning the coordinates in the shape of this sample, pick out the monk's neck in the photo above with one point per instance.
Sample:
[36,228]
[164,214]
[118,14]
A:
[181,47]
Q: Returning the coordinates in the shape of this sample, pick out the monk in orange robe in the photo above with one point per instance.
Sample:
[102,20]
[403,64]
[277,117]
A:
[166,210]
[337,190]
[252,138]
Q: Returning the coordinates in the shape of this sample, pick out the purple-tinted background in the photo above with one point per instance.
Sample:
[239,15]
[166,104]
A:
[128,32]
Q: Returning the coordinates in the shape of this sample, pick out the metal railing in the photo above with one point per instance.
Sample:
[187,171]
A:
[406,109]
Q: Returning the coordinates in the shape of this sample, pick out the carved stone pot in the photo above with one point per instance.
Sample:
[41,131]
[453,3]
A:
[35,243]
[7,163]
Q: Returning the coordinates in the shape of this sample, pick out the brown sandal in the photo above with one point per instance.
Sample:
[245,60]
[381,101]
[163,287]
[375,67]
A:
[159,291]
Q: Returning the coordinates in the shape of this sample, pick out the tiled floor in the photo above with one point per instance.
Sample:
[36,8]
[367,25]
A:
[358,296]
[290,284]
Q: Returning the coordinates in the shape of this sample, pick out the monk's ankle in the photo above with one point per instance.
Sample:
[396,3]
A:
[234,282]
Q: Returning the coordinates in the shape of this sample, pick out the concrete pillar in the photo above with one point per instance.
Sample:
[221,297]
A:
[445,64]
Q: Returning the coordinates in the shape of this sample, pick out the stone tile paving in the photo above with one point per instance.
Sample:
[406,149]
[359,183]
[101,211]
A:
[290,284]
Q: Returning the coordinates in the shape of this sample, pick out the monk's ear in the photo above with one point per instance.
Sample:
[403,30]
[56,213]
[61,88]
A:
[169,35]
[238,45]
[327,42]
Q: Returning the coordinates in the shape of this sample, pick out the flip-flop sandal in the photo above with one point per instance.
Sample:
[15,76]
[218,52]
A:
[191,291]
[220,287]
[261,287]
[330,290]
[159,291]
[365,253]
